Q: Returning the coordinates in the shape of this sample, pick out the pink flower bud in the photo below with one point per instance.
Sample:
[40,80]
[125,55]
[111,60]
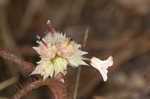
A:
[48,51]
[65,48]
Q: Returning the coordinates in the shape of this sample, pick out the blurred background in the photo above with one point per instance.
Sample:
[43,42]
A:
[116,27]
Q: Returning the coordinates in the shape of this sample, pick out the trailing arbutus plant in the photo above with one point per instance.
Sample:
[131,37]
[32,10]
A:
[57,52]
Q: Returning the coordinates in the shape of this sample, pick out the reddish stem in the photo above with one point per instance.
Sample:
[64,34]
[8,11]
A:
[57,91]
[51,29]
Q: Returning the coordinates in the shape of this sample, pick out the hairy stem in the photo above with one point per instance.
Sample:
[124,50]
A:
[55,86]
[11,57]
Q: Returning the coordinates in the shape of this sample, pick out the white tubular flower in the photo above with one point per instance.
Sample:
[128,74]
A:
[60,65]
[102,66]
[45,68]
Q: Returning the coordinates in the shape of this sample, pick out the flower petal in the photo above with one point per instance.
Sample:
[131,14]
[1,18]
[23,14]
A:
[80,52]
[76,61]
[37,49]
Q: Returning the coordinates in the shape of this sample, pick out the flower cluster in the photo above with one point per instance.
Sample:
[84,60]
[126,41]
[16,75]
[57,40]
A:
[57,52]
